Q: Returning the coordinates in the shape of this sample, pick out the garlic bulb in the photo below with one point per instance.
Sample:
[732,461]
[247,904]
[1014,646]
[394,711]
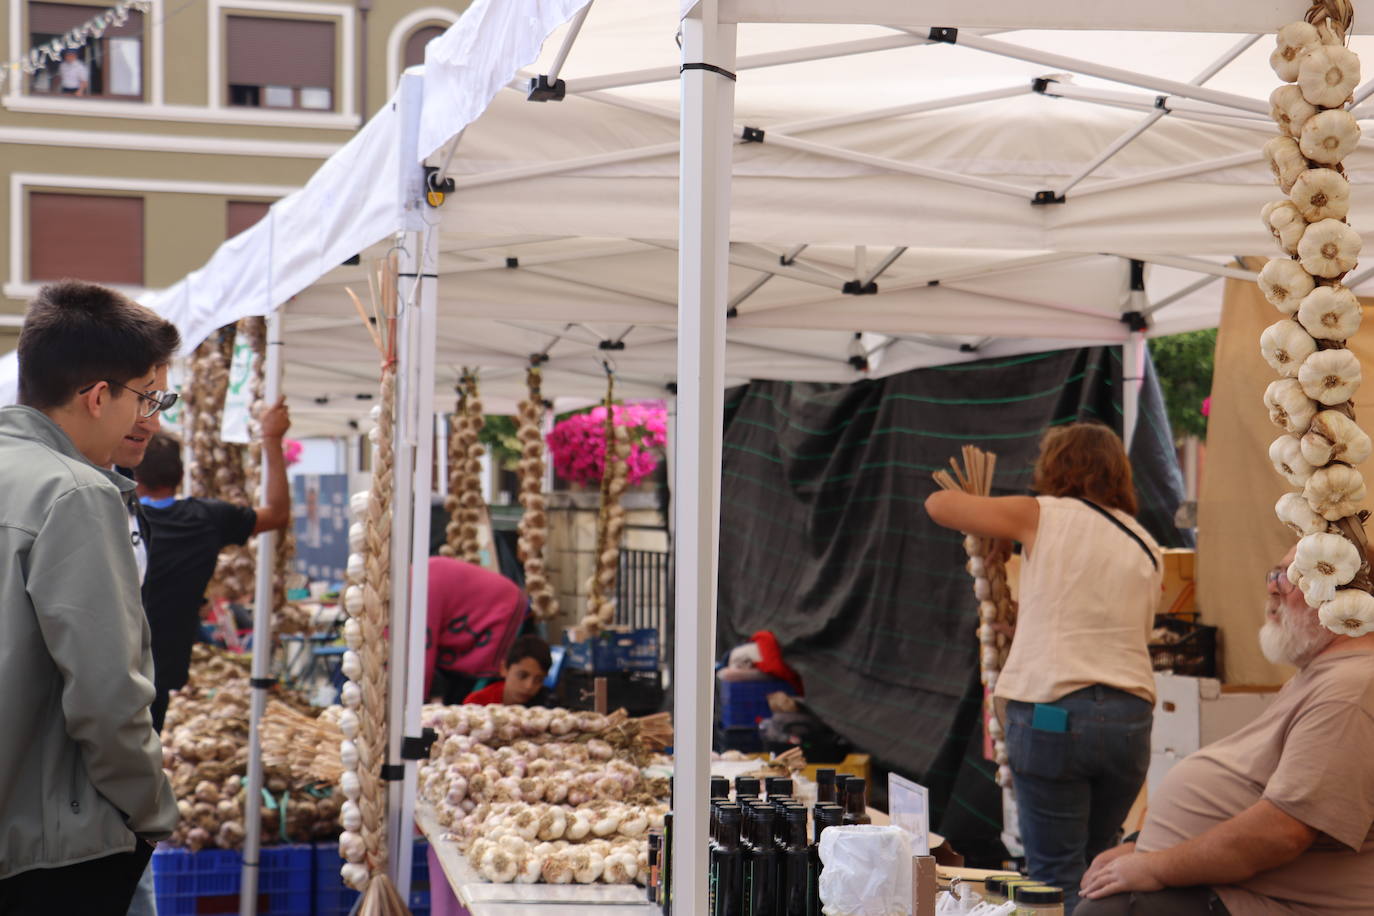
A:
[1289,408]
[1285,284]
[1330,313]
[1335,491]
[1286,454]
[1285,223]
[348,754]
[350,785]
[1325,561]
[352,665]
[1286,161]
[1295,40]
[1286,346]
[351,695]
[348,723]
[357,566]
[1290,110]
[1329,136]
[1349,613]
[1335,437]
[354,875]
[351,816]
[357,503]
[1329,248]
[1328,74]
[1321,194]
[351,846]
[353,600]
[353,634]
[1331,376]
[1294,512]
[357,537]
[1315,593]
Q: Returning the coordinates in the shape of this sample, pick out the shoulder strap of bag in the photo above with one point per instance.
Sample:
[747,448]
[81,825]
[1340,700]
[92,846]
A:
[1118,523]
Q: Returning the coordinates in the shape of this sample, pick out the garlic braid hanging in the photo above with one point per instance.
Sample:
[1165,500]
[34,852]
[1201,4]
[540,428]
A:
[533,529]
[464,501]
[367,600]
[209,381]
[610,521]
[996,609]
[239,474]
[1312,403]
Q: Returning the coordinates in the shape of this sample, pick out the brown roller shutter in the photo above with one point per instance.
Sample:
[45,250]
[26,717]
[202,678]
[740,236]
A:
[280,52]
[60,18]
[87,237]
[415,44]
[242,214]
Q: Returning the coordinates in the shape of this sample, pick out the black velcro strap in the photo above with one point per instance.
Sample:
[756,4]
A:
[393,772]
[262,683]
[413,748]
[711,67]
[1118,523]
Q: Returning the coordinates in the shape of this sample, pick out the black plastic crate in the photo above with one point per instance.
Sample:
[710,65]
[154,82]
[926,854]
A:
[1183,647]
[640,693]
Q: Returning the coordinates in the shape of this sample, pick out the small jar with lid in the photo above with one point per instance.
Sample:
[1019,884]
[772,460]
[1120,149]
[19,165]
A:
[1038,900]
[995,889]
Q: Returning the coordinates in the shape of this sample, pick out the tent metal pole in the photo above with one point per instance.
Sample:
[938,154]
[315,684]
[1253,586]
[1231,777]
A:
[1182,171]
[749,290]
[888,260]
[1175,296]
[262,652]
[708,97]
[1029,300]
[1194,264]
[567,165]
[895,111]
[1359,278]
[569,38]
[1116,146]
[1132,376]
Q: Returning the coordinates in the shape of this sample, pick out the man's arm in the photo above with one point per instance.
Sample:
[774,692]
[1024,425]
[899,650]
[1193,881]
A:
[276,514]
[1259,838]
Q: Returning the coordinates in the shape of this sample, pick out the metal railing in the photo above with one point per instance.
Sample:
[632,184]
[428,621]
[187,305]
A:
[644,595]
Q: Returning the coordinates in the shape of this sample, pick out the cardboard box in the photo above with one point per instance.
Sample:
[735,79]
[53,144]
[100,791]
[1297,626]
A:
[1180,581]
[1192,712]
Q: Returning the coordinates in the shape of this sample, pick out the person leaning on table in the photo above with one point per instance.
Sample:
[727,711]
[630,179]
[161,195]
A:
[1077,693]
[83,797]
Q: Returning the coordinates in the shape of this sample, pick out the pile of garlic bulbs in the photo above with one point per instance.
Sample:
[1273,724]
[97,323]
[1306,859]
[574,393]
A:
[996,622]
[464,501]
[533,529]
[610,524]
[1311,402]
[533,794]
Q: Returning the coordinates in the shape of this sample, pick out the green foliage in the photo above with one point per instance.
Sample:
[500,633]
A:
[499,436]
[1184,365]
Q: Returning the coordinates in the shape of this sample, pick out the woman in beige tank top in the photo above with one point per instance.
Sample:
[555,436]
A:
[1077,692]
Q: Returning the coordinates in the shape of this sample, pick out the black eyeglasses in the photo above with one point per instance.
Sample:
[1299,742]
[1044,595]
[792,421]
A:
[154,402]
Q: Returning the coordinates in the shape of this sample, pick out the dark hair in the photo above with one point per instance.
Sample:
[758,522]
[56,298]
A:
[530,646]
[77,333]
[1087,460]
[161,466]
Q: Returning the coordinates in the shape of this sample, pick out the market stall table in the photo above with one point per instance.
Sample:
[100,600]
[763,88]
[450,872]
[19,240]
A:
[482,898]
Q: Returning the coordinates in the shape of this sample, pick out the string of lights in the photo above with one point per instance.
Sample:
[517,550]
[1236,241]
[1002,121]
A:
[52,51]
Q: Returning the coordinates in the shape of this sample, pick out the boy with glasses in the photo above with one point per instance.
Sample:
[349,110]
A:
[82,794]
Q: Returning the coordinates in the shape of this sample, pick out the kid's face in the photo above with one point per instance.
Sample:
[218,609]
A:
[523,680]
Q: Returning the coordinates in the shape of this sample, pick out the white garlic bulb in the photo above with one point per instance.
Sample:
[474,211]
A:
[1335,437]
[1294,512]
[1290,110]
[353,600]
[1286,346]
[1321,194]
[375,413]
[975,567]
[350,816]
[1329,136]
[351,846]
[1329,248]
[350,785]
[1295,40]
[349,724]
[1330,313]
[1328,74]
[1349,613]
[1285,223]
[987,611]
[1284,283]
[374,435]
[1285,160]
[1335,491]
[357,503]
[353,633]
[357,567]
[354,875]
[1330,376]
[352,665]
[348,754]
[1286,454]
[1325,561]
[981,589]
[351,695]
[1289,407]
[357,537]
[1314,593]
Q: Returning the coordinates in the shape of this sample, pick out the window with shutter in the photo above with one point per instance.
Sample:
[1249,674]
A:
[108,67]
[240,215]
[87,237]
[280,63]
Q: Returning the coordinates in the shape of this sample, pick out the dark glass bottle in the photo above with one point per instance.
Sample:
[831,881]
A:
[665,894]
[760,864]
[651,884]
[826,816]
[717,811]
[794,887]
[856,803]
[727,866]
[746,787]
[840,780]
[825,787]
[720,787]
[785,809]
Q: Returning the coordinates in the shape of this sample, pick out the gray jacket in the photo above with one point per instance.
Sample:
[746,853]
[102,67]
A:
[80,765]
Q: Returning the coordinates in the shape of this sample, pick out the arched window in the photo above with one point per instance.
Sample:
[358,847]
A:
[415,44]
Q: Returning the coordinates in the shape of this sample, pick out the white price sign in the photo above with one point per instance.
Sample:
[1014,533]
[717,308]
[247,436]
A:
[238,399]
[909,808]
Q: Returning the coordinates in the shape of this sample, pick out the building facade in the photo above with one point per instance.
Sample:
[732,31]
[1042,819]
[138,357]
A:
[130,161]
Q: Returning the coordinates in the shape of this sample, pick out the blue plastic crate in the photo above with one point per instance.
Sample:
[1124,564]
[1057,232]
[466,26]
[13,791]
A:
[744,703]
[636,650]
[333,898]
[207,882]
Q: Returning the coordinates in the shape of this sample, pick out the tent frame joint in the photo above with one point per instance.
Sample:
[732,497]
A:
[1042,83]
[860,288]
[752,135]
[1044,198]
[541,90]
[1135,321]
[944,35]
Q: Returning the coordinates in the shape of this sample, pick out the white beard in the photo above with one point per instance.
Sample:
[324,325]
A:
[1285,644]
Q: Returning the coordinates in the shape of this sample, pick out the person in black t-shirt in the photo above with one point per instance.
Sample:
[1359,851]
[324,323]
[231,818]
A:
[185,538]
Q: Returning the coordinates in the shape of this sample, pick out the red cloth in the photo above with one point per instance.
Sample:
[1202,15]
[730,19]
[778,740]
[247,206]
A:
[473,617]
[490,695]
[771,662]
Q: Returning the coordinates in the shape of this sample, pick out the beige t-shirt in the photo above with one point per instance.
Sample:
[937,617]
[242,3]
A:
[1087,605]
[1311,754]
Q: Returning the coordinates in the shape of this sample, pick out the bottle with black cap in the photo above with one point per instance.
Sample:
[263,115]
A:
[794,880]
[665,894]
[840,780]
[760,863]
[856,803]
[727,866]
[826,816]
[825,786]
[746,787]
[651,884]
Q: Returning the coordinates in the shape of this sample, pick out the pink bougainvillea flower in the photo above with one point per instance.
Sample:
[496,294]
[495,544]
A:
[1207,406]
[578,444]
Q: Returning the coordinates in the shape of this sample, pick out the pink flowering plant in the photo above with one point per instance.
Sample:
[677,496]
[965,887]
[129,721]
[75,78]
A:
[578,443]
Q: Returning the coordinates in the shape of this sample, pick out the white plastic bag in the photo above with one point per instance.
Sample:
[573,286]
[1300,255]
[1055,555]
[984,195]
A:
[867,871]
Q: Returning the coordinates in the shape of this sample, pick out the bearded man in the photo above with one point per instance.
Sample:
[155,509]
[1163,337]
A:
[1277,818]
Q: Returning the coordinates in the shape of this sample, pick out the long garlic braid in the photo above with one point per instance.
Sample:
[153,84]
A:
[237,564]
[533,529]
[205,409]
[464,501]
[610,522]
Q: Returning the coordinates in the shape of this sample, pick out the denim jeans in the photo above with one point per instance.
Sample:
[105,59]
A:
[1074,788]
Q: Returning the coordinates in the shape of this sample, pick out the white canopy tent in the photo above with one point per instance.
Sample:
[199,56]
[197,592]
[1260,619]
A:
[834,179]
